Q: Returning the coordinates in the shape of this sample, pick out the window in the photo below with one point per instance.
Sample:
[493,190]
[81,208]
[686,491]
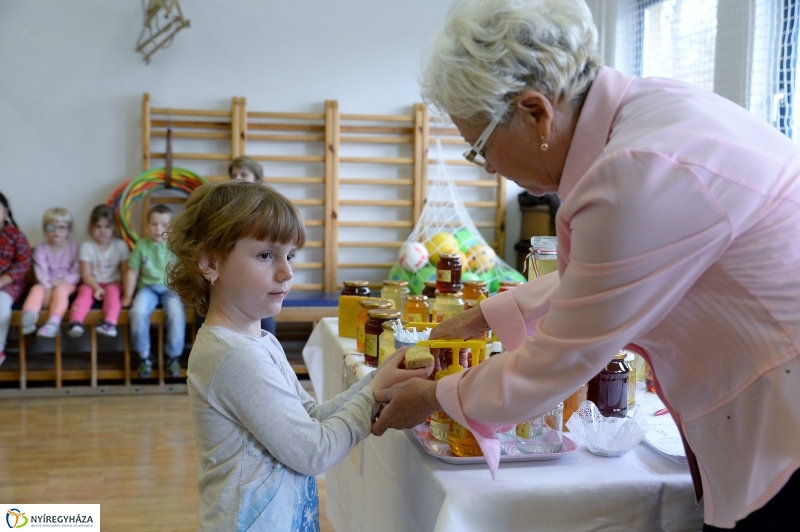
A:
[744,50]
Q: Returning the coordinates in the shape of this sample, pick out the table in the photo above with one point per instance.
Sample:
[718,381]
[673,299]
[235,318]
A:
[391,484]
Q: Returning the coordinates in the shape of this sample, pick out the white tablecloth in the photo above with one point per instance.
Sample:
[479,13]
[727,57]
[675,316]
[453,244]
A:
[391,484]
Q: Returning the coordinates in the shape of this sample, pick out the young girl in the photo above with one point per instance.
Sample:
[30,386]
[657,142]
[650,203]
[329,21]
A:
[260,436]
[55,263]
[15,260]
[103,266]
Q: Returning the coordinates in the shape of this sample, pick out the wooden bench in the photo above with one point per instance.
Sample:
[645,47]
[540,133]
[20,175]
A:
[93,373]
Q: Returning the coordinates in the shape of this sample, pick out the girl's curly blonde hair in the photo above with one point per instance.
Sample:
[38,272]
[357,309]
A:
[215,218]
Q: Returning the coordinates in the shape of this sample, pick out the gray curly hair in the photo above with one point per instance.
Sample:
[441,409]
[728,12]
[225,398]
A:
[490,51]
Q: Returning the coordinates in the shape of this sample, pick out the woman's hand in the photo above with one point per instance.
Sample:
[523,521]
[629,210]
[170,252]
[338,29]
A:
[409,403]
[390,372]
[468,325]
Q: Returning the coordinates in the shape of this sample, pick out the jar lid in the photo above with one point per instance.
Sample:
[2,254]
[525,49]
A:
[387,325]
[448,295]
[417,298]
[449,256]
[430,284]
[629,355]
[376,303]
[395,283]
[621,355]
[382,314]
[511,283]
[356,283]
[544,244]
[476,283]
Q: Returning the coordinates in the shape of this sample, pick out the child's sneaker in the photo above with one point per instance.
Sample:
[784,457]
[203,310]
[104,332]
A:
[48,330]
[145,369]
[107,329]
[174,367]
[29,320]
[75,329]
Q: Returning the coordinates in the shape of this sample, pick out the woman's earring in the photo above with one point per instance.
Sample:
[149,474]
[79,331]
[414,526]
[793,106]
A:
[213,278]
[543,146]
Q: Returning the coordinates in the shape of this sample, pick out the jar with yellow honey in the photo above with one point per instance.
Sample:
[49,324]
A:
[416,309]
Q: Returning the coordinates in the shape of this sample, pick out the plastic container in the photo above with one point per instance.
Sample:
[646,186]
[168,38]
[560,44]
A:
[543,434]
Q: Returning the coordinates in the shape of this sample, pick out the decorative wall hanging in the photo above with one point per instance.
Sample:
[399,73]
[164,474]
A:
[162,20]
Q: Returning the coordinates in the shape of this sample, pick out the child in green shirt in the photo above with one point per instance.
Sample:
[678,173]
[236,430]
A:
[147,268]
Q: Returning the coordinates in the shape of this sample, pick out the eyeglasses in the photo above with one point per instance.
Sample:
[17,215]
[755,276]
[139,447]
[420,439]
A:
[53,227]
[476,154]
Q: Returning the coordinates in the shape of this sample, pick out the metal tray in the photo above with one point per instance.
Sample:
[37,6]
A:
[508,450]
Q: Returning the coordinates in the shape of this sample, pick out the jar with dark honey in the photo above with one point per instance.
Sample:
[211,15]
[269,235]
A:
[372,331]
[356,288]
[367,305]
[608,390]
[430,290]
[448,273]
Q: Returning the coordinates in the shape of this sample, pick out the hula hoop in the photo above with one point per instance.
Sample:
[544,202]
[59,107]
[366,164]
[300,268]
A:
[128,194]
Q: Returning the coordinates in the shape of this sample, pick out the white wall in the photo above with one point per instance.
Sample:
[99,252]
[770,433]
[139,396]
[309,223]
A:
[71,83]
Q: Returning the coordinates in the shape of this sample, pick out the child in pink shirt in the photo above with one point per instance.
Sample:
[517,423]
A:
[55,263]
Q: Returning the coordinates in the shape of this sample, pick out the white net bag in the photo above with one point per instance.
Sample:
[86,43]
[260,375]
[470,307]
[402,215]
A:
[445,226]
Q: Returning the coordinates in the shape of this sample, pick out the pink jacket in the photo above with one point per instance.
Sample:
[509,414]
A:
[679,233]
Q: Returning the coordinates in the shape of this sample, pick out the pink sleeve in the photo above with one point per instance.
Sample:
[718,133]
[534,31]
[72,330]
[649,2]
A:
[513,315]
[629,258]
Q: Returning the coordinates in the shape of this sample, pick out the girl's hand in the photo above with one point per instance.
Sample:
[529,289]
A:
[99,293]
[126,301]
[390,372]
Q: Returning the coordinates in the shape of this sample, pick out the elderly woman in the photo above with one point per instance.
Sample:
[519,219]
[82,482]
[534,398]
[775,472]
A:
[679,237]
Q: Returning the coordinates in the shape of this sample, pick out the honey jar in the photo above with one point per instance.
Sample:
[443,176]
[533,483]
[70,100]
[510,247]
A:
[367,305]
[473,290]
[508,285]
[397,292]
[448,273]
[349,306]
[430,290]
[609,389]
[386,341]
[446,305]
[372,331]
[356,288]
[416,309]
